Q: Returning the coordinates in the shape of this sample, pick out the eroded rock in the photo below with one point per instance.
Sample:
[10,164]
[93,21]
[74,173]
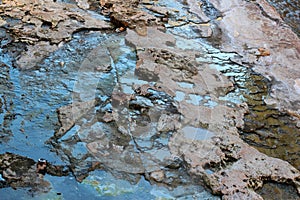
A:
[45,24]
[229,166]
[144,133]
[70,114]
[270,33]
[128,14]
[35,54]
[19,171]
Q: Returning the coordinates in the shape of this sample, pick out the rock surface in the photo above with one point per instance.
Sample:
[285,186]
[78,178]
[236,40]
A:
[169,119]
[229,166]
[19,171]
[269,32]
[46,24]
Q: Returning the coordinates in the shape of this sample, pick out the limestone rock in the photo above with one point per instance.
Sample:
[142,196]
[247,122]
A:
[49,21]
[168,123]
[229,166]
[35,54]
[157,175]
[270,32]
[70,114]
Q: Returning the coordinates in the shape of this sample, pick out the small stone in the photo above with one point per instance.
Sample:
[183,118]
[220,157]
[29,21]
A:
[107,117]
[8,173]
[83,4]
[121,29]
[236,34]
[263,52]
[270,101]
[168,123]
[164,19]
[62,63]
[158,175]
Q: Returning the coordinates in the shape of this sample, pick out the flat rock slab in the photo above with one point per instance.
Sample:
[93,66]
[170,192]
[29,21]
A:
[229,166]
[45,25]
[247,27]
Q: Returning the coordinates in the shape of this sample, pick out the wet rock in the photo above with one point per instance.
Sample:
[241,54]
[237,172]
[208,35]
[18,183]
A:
[220,158]
[228,166]
[158,176]
[233,165]
[156,58]
[37,22]
[35,54]
[19,171]
[128,144]
[97,60]
[114,158]
[127,14]
[145,129]
[269,28]
[70,114]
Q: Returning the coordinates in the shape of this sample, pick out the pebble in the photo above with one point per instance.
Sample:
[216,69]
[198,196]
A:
[61,63]
[157,175]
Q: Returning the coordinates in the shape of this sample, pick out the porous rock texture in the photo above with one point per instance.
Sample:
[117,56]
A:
[219,159]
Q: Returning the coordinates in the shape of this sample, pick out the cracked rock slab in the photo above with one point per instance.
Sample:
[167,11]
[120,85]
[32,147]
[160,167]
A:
[267,31]
[45,24]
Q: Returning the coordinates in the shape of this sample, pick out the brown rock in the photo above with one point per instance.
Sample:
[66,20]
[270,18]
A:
[157,175]
[35,54]
[233,166]
[269,30]
[46,20]
[70,114]
[2,22]
[168,123]
[263,52]
[83,4]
